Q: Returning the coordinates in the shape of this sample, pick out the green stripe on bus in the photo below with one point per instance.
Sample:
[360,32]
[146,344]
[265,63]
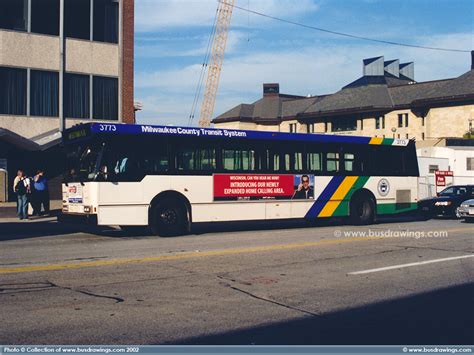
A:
[393,208]
[387,141]
[343,208]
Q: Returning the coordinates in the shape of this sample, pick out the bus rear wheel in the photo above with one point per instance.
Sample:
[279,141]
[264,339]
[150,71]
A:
[362,210]
[168,218]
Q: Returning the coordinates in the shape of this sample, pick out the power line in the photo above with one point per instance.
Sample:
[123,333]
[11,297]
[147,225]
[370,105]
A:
[348,34]
[202,74]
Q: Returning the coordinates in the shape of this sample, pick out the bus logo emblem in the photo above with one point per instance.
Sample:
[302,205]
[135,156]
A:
[383,187]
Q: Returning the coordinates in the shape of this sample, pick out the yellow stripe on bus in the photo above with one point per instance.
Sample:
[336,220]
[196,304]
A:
[376,140]
[338,196]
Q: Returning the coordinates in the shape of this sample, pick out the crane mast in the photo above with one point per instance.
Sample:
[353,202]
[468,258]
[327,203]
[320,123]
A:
[215,63]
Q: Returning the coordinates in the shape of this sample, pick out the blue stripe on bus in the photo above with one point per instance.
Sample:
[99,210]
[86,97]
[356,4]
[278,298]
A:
[223,133]
[325,196]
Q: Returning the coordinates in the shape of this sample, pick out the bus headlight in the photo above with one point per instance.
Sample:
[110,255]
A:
[87,209]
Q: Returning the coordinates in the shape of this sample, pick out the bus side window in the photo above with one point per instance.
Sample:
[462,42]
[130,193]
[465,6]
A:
[206,159]
[349,162]
[235,159]
[332,162]
[185,159]
[273,160]
[293,162]
[190,158]
[314,162]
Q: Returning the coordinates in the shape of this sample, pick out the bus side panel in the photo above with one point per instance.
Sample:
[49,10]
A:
[401,195]
[228,211]
[124,215]
[197,189]
[127,203]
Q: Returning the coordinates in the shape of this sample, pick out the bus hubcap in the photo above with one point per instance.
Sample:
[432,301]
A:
[168,217]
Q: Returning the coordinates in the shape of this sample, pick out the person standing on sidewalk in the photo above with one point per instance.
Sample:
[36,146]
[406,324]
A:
[21,187]
[41,198]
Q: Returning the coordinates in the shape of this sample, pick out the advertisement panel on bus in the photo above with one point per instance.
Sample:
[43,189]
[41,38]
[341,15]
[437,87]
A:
[263,186]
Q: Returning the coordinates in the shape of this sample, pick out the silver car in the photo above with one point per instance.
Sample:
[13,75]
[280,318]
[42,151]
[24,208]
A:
[466,210]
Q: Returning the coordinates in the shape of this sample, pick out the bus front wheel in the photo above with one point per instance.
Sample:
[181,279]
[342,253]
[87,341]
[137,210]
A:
[169,218]
[362,210]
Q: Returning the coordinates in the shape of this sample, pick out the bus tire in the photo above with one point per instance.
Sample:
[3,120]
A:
[169,218]
[362,210]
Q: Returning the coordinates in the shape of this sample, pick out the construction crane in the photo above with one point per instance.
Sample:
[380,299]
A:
[224,14]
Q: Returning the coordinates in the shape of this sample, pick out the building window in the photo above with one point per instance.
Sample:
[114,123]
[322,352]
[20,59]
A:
[400,120]
[406,136]
[380,122]
[77,19]
[422,136]
[44,93]
[469,163]
[45,17]
[406,119]
[344,124]
[14,15]
[292,127]
[105,98]
[423,121]
[433,168]
[76,96]
[12,91]
[310,127]
[362,124]
[106,21]
[326,128]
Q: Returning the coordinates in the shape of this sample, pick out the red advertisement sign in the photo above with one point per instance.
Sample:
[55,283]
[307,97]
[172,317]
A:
[440,180]
[443,173]
[253,186]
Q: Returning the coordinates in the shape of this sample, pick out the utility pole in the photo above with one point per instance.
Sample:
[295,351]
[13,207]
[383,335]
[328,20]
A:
[62,50]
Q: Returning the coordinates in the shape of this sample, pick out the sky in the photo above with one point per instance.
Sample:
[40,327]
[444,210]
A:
[171,37]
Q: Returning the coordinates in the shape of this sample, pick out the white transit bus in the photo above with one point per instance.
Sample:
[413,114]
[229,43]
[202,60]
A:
[168,178]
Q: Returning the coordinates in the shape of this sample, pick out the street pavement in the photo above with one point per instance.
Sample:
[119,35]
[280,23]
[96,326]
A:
[270,284]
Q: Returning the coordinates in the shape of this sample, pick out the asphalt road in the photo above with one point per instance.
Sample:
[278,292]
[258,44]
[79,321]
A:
[318,285]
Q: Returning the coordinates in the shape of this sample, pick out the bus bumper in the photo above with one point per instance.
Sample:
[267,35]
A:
[74,218]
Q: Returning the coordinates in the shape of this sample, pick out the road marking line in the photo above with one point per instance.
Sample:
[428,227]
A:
[187,255]
[410,264]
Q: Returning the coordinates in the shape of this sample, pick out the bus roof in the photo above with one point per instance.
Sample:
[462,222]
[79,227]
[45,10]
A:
[85,130]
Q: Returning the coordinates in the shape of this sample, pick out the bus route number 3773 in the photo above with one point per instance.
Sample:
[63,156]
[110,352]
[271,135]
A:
[107,128]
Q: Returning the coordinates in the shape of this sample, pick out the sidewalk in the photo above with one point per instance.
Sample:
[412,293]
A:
[8,209]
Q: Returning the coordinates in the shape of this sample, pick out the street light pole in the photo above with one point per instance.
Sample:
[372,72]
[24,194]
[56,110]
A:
[62,49]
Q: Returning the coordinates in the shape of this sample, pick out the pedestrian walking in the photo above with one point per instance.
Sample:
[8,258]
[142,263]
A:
[41,193]
[21,187]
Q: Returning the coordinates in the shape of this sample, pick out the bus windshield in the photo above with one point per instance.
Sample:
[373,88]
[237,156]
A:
[83,163]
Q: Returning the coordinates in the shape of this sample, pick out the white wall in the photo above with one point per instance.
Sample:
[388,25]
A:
[456,159]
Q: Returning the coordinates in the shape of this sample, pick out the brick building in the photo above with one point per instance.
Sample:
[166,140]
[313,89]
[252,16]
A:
[70,59]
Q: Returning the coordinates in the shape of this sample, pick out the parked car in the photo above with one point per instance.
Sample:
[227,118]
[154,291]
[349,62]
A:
[466,210]
[446,202]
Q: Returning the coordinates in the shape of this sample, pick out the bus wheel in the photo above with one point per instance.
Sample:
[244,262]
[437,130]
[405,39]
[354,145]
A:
[168,218]
[362,210]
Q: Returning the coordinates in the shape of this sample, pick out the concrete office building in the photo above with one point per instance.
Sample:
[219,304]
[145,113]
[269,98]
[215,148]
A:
[61,58]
